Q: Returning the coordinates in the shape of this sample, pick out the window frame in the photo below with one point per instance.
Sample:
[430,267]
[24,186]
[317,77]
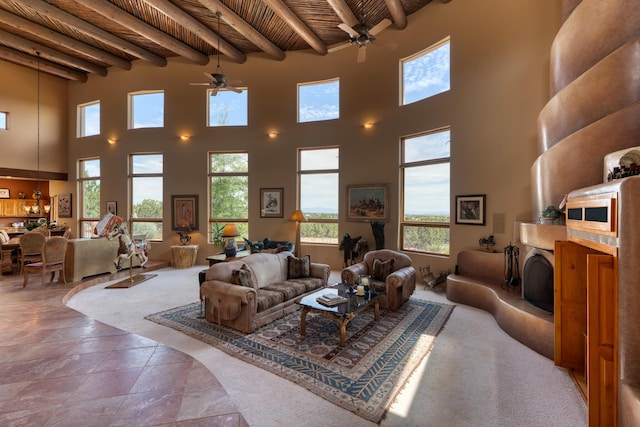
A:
[131,175]
[302,172]
[415,56]
[220,222]
[131,108]
[316,83]
[403,166]
[87,224]
[82,119]
[6,120]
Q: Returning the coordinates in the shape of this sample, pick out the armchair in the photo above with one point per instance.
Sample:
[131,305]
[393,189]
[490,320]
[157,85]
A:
[398,285]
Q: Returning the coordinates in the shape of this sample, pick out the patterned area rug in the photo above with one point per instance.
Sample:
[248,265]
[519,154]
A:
[363,377]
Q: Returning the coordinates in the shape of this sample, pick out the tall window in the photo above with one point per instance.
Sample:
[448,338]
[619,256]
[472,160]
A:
[319,101]
[427,73]
[425,172]
[227,108]
[89,189]
[229,189]
[146,109]
[89,119]
[318,181]
[146,180]
[4,120]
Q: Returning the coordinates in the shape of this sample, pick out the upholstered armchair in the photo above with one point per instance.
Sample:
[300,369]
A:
[390,272]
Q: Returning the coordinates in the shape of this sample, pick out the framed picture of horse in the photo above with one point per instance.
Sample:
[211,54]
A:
[368,202]
[271,202]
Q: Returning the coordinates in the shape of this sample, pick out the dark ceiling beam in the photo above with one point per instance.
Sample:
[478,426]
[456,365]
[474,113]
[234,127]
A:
[46,67]
[341,8]
[397,13]
[94,32]
[242,27]
[132,23]
[51,36]
[31,174]
[297,25]
[24,45]
[190,23]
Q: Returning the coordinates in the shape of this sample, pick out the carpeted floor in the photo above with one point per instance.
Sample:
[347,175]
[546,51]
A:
[363,377]
[476,374]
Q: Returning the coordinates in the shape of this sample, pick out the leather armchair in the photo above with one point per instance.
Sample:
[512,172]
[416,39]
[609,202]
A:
[398,285]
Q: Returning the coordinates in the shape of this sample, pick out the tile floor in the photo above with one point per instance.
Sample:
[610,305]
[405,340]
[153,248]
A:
[60,368]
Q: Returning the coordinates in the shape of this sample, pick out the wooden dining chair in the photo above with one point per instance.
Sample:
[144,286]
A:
[30,248]
[43,230]
[53,254]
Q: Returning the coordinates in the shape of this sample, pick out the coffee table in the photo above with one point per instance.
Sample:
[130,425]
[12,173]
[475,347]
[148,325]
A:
[341,313]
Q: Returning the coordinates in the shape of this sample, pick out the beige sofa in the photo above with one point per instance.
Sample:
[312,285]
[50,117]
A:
[270,295]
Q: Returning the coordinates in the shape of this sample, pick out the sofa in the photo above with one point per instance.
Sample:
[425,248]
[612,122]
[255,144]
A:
[249,293]
[390,272]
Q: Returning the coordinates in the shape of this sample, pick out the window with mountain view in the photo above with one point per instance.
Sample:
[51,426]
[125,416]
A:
[318,181]
[426,183]
[426,73]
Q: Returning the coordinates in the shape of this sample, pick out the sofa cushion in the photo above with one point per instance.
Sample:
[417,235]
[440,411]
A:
[242,277]
[268,298]
[298,267]
[381,269]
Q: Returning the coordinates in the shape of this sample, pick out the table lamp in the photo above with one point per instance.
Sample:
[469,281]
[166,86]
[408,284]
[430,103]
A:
[229,232]
[298,217]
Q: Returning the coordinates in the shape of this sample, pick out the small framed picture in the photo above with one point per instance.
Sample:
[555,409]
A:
[112,208]
[471,209]
[367,202]
[4,193]
[64,205]
[271,203]
[184,212]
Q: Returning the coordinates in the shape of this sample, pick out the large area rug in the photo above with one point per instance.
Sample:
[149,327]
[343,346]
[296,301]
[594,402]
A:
[363,377]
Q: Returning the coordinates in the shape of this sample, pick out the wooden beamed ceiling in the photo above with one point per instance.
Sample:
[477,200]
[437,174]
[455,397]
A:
[76,37]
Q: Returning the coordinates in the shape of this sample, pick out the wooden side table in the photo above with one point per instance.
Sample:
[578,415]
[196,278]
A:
[183,256]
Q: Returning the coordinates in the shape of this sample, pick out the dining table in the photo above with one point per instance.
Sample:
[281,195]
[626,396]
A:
[6,254]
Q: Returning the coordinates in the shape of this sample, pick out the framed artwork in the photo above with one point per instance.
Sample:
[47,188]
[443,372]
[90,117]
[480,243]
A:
[64,205]
[4,193]
[367,202]
[112,208]
[471,209]
[271,202]
[184,212]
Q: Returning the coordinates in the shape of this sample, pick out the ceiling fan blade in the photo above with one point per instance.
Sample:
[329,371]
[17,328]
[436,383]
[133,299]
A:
[209,76]
[338,46]
[362,54]
[200,84]
[234,89]
[347,29]
[214,91]
[380,26]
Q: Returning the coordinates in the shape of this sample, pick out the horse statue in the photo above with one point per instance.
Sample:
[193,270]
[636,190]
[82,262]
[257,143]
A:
[112,226]
[353,248]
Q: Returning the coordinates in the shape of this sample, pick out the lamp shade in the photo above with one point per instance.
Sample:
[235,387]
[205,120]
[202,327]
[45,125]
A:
[298,216]
[230,230]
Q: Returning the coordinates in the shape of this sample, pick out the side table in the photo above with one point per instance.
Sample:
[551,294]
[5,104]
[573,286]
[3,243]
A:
[183,256]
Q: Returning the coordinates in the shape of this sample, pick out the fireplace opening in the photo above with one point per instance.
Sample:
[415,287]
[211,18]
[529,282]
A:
[538,282]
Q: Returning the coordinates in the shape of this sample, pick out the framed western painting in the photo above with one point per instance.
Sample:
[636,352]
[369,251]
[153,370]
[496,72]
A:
[367,202]
[271,202]
[184,212]
[471,209]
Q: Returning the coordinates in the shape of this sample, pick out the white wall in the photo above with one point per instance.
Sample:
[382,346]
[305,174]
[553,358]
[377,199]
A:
[500,66]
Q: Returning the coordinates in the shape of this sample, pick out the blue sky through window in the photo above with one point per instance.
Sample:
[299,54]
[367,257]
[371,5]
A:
[426,74]
[228,108]
[319,101]
[3,120]
[90,117]
[147,110]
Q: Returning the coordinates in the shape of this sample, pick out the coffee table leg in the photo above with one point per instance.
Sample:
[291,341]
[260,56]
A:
[376,310]
[303,321]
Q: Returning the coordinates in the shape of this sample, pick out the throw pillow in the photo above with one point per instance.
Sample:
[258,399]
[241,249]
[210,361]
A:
[381,269]
[282,248]
[298,267]
[242,277]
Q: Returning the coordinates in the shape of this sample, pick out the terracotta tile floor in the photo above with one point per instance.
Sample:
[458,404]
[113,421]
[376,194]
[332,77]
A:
[60,368]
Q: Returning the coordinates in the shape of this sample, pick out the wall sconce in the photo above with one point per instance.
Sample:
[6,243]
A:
[111,141]
[368,125]
[272,134]
[184,138]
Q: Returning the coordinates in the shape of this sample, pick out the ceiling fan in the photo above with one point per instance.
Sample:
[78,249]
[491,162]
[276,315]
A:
[362,34]
[218,80]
